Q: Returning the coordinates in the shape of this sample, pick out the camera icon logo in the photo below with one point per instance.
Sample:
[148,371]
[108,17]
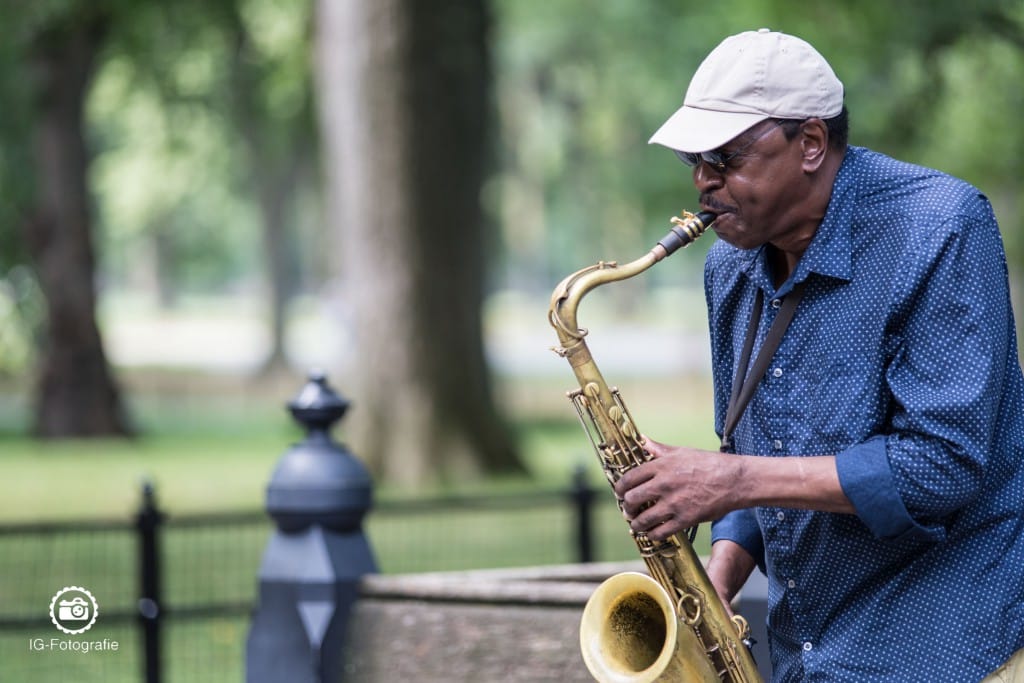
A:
[73,610]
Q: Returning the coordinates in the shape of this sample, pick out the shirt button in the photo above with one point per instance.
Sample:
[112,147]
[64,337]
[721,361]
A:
[792,584]
[777,444]
[776,303]
[777,372]
[808,647]
[780,516]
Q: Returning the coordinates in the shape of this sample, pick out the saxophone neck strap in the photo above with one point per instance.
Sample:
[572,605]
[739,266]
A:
[744,384]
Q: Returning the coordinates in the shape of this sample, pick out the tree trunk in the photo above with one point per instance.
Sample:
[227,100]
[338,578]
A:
[75,393]
[403,89]
[276,148]
[273,201]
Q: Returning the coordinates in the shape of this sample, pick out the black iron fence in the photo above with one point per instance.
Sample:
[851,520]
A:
[174,593]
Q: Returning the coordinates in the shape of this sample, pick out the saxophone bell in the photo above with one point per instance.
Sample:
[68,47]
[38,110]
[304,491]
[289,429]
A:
[630,633]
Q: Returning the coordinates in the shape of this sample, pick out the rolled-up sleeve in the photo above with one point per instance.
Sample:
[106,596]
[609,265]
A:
[868,482]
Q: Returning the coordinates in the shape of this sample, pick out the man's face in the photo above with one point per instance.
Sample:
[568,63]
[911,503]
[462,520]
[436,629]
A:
[757,195]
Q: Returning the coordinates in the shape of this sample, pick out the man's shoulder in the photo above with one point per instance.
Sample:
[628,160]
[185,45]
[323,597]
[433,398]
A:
[912,210]
[904,187]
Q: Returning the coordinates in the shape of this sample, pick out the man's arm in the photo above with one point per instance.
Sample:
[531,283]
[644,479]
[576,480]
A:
[682,487]
[728,568]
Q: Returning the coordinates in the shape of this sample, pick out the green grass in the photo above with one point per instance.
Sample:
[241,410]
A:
[208,651]
[103,478]
[213,448]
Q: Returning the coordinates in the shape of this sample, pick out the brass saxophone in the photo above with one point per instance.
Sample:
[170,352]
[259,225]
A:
[671,625]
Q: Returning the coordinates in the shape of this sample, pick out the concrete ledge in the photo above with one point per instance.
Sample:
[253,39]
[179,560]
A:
[506,625]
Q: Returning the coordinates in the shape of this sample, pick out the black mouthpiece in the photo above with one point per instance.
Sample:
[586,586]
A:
[684,232]
[707,218]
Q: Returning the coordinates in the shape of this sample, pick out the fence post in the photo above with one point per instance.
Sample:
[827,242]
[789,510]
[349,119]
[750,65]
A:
[309,577]
[583,503]
[147,523]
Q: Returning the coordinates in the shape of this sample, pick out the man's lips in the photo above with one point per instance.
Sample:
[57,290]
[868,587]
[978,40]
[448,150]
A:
[719,214]
[709,204]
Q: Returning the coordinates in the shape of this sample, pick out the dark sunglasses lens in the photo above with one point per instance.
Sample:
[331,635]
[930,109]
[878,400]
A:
[715,160]
[688,158]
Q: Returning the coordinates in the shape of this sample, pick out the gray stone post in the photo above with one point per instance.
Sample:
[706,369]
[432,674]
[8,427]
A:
[308,580]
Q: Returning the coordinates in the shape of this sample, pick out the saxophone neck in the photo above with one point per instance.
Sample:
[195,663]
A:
[566,297]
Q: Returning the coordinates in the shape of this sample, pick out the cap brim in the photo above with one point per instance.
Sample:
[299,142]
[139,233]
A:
[701,130]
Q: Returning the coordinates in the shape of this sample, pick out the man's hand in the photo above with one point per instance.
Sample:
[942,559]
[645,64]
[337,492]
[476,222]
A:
[678,489]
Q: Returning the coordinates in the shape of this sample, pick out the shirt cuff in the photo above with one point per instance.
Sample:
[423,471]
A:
[866,478]
[740,526]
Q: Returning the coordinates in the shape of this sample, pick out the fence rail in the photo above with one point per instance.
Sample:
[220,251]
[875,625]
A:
[176,592]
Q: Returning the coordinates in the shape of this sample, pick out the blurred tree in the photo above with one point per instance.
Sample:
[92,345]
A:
[229,125]
[403,91]
[271,106]
[51,52]
[168,174]
[60,43]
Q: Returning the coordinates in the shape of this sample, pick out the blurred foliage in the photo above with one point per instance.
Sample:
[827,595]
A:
[580,87]
[167,183]
[173,173]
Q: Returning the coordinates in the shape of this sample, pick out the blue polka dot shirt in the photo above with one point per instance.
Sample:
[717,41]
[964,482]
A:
[901,361]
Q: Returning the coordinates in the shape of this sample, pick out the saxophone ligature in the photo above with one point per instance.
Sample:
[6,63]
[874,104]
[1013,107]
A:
[669,625]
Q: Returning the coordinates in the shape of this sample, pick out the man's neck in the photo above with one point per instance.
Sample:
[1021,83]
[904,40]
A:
[784,255]
[781,264]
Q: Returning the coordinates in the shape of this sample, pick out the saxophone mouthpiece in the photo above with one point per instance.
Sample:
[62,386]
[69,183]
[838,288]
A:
[685,230]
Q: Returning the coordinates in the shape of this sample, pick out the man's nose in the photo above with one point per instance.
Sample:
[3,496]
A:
[706,178]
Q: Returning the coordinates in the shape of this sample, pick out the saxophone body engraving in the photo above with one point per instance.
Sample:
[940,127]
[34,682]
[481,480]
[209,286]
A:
[670,625]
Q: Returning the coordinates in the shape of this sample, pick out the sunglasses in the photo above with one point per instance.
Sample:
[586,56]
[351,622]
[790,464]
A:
[717,159]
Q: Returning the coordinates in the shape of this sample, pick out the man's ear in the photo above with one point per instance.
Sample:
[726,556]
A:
[813,144]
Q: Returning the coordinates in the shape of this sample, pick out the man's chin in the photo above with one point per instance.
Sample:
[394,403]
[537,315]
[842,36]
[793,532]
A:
[722,225]
[726,231]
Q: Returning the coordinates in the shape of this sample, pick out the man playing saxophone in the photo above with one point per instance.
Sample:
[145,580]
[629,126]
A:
[877,473]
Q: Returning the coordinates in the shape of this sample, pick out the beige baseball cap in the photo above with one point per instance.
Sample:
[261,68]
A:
[750,77]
